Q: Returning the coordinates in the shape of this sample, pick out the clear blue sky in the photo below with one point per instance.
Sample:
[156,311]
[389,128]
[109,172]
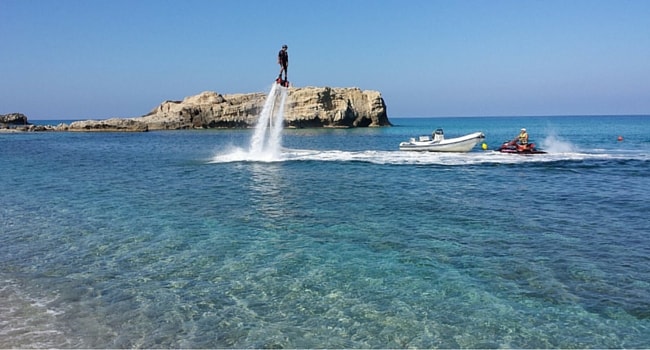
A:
[82,59]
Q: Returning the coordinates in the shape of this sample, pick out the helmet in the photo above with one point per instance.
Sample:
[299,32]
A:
[523,129]
[284,47]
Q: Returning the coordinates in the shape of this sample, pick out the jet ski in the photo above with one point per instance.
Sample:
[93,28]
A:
[514,147]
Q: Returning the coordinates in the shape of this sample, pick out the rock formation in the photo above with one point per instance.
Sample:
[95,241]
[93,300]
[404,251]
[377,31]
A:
[341,107]
[13,118]
[113,124]
[306,107]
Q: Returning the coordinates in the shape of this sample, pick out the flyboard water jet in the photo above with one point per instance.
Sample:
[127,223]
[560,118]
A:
[267,138]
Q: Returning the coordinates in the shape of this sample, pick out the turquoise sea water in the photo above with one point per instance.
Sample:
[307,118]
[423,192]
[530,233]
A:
[173,239]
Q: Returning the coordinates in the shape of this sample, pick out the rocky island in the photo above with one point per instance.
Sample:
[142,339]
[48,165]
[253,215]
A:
[306,107]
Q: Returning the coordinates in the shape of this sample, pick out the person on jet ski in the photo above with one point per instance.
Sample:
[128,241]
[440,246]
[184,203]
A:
[523,138]
[283,61]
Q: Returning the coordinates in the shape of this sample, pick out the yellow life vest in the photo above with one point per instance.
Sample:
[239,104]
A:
[523,138]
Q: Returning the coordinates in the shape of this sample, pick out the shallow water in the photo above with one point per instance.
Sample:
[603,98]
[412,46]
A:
[177,239]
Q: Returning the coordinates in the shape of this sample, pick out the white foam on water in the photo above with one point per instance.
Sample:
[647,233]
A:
[433,158]
[554,144]
[411,158]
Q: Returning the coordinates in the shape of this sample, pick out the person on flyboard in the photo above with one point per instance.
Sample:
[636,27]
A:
[283,61]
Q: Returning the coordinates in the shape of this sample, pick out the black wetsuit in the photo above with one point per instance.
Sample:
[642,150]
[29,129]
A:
[283,60]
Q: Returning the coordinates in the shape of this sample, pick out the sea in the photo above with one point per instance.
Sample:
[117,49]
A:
[333,239]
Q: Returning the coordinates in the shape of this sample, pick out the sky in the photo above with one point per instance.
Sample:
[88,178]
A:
[97,59]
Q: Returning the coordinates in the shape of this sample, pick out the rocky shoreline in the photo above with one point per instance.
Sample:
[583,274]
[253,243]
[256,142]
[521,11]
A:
[307,107]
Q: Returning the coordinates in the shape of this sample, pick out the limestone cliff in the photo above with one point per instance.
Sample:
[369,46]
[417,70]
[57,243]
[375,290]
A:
[306,107]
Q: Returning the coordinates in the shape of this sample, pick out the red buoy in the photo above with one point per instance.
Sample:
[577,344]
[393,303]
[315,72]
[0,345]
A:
[620,138]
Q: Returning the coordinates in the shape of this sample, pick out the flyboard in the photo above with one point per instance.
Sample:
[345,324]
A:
[282,82]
